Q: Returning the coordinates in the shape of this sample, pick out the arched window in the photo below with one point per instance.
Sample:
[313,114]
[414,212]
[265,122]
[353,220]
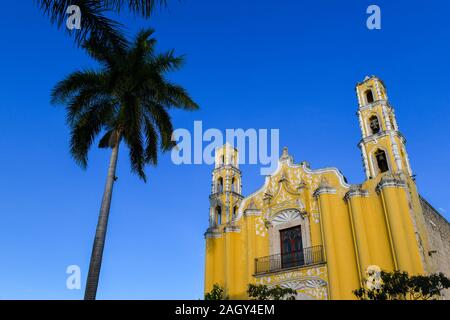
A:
[218,215]
[235,211]
[233,182]
[369,96]
[223,160]
[374,124]
[382,162]
[220,185]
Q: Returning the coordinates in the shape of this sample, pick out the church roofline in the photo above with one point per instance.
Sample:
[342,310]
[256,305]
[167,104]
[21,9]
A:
[433,208]
[290,164]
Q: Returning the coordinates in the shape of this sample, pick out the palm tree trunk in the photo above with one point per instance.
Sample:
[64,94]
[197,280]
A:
[100,234]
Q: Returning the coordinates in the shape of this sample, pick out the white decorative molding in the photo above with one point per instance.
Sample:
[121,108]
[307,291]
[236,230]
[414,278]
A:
[408,164]
[232,229]
[327,170]
[309,283]
[358,94]
[290,164]
[301,284]
[361,125]
[316,217]
[356,191]
[212,233]
[387,119]
[390,180]
[252,212]
[324,190]
[260,227]
[285,217]
[377,86]
[366,161]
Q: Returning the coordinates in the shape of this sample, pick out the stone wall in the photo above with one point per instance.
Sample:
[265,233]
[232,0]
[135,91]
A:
[439,236]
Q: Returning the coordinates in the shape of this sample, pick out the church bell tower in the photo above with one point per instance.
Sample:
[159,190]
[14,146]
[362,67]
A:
[382,145]
[226,192]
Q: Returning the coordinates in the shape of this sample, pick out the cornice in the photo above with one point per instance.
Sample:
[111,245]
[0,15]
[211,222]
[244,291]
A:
[212,233]
[324,190]
[356,191]
[368,78]
[381,134]
[232,229]
[376,103]
[252,212]
[218,194]
[392,181]
[227,166]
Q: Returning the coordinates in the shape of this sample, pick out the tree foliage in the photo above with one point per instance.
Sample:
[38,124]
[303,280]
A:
[96,19]
[217,293]
[400,285]
[127,100]
[263,292]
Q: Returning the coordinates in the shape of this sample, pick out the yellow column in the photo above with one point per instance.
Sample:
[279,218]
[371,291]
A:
[235,273]
[326,219]
[219,261]
[209,264]
[239,268]
[229,276]
[377,233]
[250,245]
[397,229]
[357,215]
[345,249]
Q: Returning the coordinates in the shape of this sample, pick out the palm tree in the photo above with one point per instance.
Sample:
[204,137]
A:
[127,100]
[94,19]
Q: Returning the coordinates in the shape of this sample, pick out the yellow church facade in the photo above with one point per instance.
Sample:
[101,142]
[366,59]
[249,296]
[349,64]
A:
[309,229]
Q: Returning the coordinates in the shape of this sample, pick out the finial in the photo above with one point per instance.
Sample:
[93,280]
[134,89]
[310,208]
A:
[285,154]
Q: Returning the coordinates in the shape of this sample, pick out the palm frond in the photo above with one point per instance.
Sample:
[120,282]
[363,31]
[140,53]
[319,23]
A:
[65,89]
[108,54]
[180,98]
[161,119]
[85,130]
[93,20]
[151,149]
[143,45]
[131,129]
[142,7]
[84,101]
[167,61]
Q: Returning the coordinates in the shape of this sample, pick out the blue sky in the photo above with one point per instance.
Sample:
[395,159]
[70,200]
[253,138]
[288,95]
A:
[290,65]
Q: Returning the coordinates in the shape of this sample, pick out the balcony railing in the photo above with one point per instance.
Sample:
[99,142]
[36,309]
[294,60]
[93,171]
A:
[277,262]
